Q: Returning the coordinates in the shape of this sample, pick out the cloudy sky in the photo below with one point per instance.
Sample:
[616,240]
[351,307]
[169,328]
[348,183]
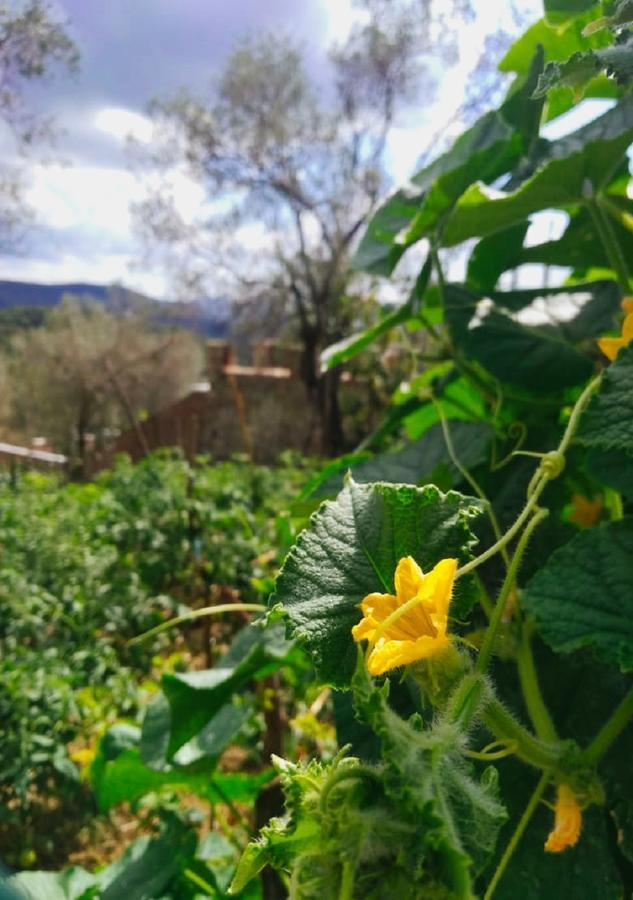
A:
[133,50]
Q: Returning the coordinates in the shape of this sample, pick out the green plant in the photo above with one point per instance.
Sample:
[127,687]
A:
[520,473]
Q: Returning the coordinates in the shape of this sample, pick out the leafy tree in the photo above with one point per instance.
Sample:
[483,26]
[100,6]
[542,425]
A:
[88,371]
[267,147]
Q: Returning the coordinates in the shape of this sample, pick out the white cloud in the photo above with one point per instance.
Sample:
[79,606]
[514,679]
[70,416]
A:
[123,123]
[88,196]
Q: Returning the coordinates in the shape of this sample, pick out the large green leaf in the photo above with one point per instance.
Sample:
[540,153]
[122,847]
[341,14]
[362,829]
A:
[143,871]
[578,247]
[484,152]
[346,349]
[416,462]
[120,771]
[540,358]
[582,597]
[352,548]
[613,468]
[127,779]
[558,43]
[489,149]
[581,68]
[557,11]
[583,161]
[608,421]
[71,884]
[494,255]
[196,697]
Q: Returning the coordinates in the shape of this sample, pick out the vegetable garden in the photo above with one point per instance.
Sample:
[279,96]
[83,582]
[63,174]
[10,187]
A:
[438,677]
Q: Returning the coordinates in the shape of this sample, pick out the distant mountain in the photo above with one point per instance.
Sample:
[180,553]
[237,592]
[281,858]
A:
[209,317]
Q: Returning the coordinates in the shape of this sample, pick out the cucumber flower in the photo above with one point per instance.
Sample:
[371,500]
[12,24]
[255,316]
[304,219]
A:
[411,625]
[611,346]
[567,821]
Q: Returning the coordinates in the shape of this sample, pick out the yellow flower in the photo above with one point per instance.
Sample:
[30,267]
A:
[567,821]
[585,512]
[611,346]
[412,625]
[627,304]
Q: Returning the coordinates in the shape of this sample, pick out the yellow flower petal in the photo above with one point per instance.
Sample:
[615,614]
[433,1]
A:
[567,821]
[627,329]
[392,654]
[408,578]
[610,346]
[585,512]
[627,304]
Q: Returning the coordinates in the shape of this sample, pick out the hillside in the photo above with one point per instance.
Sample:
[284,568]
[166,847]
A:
[208,317]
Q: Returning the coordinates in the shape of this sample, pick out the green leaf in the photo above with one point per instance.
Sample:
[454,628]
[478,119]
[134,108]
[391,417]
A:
[579,246]
[127,776]
[613,468]
[485,152]
[557,11]
[417,462]
[582,597]
[608,420]
[583,161]
[71,884]
[342,351]
[581,68]
[558,43]
[127,779]
[540,358]
[348,348]
[459,816]
[494,255]
[352,548]
[196,697]
[144,870]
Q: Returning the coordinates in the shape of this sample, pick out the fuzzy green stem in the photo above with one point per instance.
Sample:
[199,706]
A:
[532,750]
[615,724]
[538,712]
[610,243]
[551,466]
[497,615]
[472,481]
[577,411]
[197,614]
[510,533]
[518,834]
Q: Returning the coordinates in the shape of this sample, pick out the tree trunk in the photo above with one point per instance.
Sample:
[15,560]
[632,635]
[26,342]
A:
[323,390]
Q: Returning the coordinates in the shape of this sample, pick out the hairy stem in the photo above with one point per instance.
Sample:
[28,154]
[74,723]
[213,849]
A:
[535,752]
[198,614]
[538,712]
[610,243]
[612,728]
[518,834]
[508,584]
[472,481]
